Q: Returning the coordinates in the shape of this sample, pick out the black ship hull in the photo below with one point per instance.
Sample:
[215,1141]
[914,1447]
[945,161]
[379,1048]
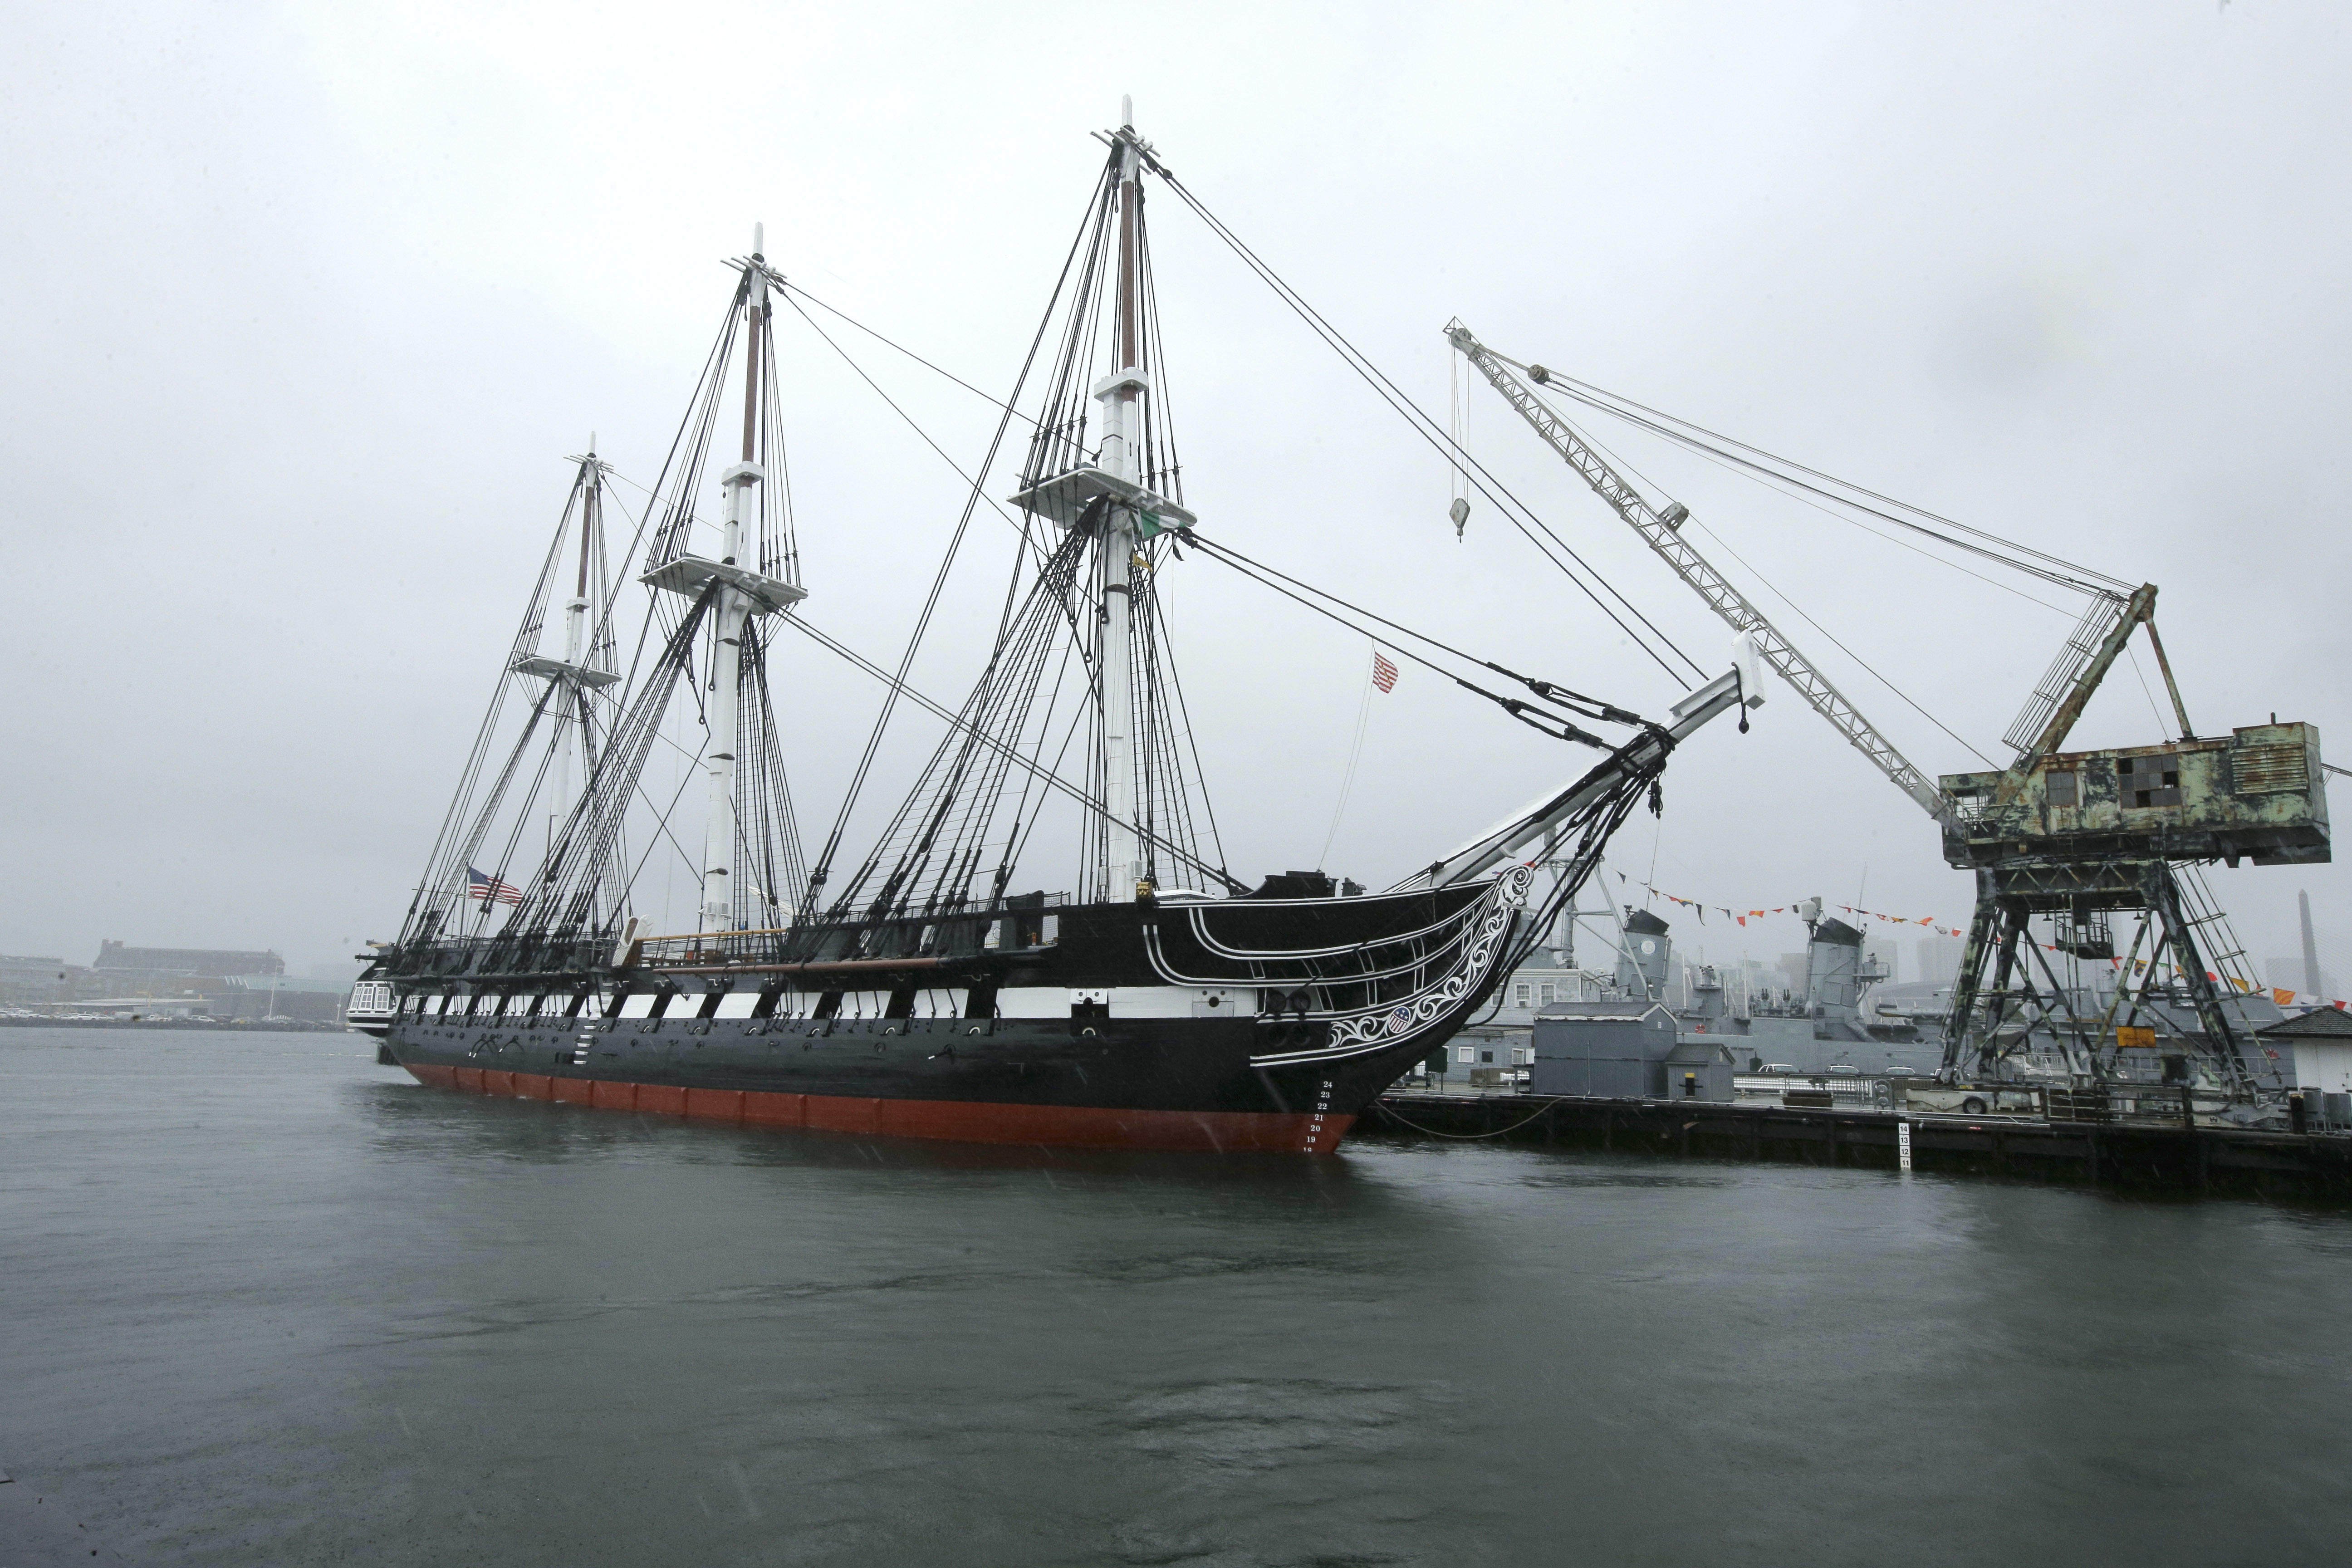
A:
[1151,1083]
[1242,1025]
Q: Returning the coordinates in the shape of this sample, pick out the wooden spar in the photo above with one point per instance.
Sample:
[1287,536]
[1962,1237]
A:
[590,517]
[752,322]
[1131,352]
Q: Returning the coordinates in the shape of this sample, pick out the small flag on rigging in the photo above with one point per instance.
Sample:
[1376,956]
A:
[487,888]
[1384,674]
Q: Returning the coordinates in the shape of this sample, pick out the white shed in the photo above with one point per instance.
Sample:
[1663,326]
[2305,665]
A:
[2322,1042]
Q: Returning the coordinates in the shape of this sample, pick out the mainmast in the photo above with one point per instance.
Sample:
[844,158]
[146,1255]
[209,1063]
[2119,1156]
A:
[739,590]
[1121,397]
[1109,472]
[740,481]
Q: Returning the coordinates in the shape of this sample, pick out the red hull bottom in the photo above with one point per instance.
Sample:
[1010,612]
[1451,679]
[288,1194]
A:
[967,1122]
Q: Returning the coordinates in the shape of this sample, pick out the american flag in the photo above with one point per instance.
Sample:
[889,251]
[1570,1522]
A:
[487,888]
[1384,674]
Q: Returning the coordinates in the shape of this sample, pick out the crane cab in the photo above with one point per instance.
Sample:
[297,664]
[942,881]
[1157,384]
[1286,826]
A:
[2258,794]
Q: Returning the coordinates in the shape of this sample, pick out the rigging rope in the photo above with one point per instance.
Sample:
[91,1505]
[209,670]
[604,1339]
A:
[1867,666]
[1348,780]
[1698,437]
[1802,495]
[1559,696]
[822,866]
[1044,774]
[955,468]
[1428,430]
[1526,713]
[836,311]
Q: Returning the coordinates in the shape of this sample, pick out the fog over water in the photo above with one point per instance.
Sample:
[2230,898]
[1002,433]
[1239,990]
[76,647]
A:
[308,305]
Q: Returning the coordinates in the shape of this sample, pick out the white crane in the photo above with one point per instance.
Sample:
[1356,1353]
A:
[2008,891]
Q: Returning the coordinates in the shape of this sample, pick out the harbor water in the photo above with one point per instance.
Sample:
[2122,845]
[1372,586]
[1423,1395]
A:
[262,1301]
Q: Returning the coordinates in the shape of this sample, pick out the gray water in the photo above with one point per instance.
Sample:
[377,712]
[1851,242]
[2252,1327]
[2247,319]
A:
[262,1301]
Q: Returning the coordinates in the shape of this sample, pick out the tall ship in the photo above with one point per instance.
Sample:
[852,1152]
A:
[904,982]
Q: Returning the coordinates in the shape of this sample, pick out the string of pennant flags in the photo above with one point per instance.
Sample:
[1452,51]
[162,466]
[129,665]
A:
[2283,997]
[1744,916]
[2278,994]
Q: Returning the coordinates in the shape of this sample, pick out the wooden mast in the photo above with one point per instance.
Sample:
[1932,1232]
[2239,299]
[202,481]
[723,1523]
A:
[721,834]
[1121,397]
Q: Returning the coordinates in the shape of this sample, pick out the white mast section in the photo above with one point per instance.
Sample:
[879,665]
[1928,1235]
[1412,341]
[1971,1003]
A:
[743,592]
[1133,512]
[722,831]
[570,678]
[1120,395]
[574,720]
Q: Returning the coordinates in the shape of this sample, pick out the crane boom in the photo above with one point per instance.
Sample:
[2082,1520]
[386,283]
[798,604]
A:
[1661,532]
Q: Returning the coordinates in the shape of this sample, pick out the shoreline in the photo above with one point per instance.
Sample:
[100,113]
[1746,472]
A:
[266,1025]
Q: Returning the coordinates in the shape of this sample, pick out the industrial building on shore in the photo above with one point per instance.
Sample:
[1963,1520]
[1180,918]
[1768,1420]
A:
[227,984]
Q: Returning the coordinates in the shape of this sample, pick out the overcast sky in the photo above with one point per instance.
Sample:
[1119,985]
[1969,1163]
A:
[307,306]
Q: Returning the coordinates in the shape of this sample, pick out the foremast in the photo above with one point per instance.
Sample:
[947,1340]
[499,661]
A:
[481,860]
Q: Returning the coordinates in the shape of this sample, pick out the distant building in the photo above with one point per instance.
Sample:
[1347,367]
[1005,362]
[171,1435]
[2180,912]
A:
[1498,1037]
[1939,960]
[227,984]
[114,955]
[29,981]
[250,997]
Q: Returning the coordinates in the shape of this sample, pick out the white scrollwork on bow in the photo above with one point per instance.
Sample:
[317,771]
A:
[1394,1023]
